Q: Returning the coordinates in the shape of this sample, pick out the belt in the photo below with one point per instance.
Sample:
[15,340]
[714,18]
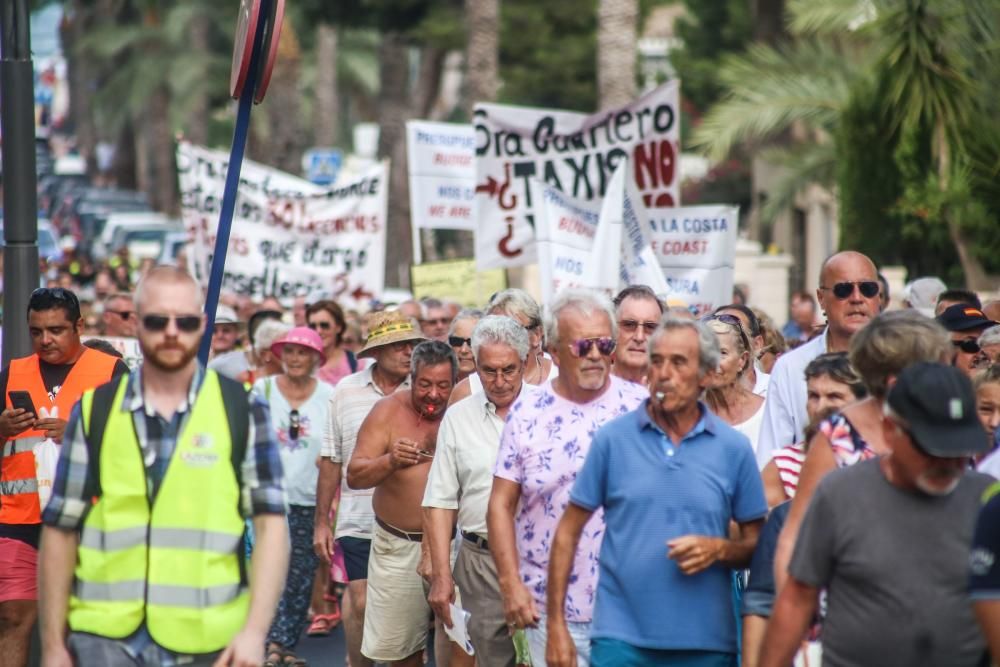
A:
[476,539]
[402,534]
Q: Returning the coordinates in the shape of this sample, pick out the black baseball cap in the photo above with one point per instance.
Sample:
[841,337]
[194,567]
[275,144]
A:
[963,317]
[938,404]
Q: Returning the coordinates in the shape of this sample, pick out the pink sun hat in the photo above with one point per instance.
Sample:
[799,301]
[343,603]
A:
[303,336]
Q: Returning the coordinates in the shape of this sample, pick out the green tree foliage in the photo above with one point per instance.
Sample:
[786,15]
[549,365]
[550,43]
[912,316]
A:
[548,53]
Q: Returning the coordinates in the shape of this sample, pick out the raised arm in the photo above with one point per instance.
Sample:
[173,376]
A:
[375,457]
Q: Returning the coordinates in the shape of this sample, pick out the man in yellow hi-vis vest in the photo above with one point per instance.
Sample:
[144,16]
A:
[142,547]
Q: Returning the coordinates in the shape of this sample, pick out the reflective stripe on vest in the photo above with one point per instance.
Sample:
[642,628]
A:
[186,551]
[19,505]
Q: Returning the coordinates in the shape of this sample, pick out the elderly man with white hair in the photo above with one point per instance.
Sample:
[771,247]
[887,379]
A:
[543,445]
[459,484]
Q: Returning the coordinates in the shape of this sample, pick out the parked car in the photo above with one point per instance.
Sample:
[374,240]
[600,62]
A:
[139,229]
[49,247]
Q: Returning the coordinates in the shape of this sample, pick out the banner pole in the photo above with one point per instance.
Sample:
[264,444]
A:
[418,249]
[236,153]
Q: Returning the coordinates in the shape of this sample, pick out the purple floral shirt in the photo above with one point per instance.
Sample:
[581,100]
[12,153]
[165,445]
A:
[542,448]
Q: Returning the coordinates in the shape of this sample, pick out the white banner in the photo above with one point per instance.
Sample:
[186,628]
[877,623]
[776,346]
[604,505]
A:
[441,163]
[574,153]
[289,237]
[696,248]
[566,229]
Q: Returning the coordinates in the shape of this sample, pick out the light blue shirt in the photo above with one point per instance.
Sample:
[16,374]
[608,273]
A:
[654,490]
[785,416]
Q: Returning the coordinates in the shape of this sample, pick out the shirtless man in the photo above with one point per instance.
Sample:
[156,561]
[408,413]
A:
[394,452]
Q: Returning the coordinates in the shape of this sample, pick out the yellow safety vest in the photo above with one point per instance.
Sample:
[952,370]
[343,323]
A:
[179,563]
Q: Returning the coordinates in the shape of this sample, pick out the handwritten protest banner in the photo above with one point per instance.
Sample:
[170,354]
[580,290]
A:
[290,238]
[127,347]
[440,159]
[696,249]
[457,280]
[566,229]
[572,152]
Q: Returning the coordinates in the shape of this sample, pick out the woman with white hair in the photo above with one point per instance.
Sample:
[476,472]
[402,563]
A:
[268,332]
[299,405]
[728,396]
[460,339]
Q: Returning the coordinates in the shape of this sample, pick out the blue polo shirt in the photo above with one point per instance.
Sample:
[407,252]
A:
[653,490]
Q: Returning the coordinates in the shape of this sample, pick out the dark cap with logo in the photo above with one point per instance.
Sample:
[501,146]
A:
[938,404]
[962,317]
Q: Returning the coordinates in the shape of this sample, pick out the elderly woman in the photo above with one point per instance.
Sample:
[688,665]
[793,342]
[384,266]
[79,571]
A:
[299,404]
[728,396]
[327,319]
[878,352]
[268,332]
[460,339]
[989,347]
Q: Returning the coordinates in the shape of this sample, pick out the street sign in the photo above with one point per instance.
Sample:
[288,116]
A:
[321,165]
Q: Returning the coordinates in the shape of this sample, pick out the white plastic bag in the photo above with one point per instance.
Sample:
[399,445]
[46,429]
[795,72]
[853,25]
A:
[46,457]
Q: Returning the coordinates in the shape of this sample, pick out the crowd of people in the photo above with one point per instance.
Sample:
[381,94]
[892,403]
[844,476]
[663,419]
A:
[607,482]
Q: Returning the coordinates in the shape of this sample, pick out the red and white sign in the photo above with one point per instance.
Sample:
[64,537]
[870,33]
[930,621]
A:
[441,161]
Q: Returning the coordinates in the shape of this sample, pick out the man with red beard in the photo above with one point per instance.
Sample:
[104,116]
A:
[395,448]
[142,551]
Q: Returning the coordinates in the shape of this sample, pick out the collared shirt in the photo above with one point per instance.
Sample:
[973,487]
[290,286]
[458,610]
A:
[353,398]
[785,416]
[461,475]
[543,444]
[652,490]
[262,477]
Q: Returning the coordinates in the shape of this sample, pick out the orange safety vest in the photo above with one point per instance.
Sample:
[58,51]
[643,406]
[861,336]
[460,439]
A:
[18,483]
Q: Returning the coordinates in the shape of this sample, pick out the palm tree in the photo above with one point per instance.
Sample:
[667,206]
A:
[482,52]
[616,51]
[327,111]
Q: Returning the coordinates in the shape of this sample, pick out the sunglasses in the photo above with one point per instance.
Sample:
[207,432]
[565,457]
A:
[185,323]
[458,341]
[583,346]
[325,326]
[294,423]
[124,314]
[630,326]
[868,288]
[967,345]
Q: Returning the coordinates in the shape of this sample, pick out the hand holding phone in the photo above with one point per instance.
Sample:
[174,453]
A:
[18,418]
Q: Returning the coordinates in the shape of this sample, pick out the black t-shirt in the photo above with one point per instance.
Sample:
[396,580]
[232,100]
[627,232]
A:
[53,377]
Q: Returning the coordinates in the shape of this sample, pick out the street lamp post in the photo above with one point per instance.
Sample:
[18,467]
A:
[20,199]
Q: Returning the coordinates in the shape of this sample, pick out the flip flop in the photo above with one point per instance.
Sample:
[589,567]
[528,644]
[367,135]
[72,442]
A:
[323,624]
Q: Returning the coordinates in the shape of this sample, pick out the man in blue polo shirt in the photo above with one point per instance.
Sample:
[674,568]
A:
[670,476]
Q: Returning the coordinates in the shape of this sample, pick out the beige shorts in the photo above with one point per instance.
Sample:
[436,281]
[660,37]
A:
[396,613]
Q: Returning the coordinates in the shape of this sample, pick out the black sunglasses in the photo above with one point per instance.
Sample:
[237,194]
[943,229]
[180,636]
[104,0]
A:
[458,341]
[868,288]
[967,345]
[293,424]
[319,325]
[185,323]
[124,314]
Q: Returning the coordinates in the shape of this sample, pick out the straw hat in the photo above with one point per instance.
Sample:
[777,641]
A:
[389,327]
[303,336]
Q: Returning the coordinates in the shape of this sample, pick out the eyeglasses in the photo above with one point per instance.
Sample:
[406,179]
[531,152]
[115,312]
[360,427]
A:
[458,341]
[508,373]
[868,288]
[185,323]
[630,326]
[124,314]
[967,345]
[582,347]
[323,326]
[293,425]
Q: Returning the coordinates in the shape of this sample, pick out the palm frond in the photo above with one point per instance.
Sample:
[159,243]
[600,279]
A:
[802,165]
[808,17]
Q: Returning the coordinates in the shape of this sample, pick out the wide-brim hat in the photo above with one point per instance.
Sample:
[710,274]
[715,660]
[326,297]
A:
[303,336]
[386,328]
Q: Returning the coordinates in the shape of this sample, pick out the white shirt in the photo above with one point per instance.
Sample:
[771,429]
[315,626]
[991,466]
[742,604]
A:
[751,427]
[461,475]
[785,416]
[762,383]
[353,398]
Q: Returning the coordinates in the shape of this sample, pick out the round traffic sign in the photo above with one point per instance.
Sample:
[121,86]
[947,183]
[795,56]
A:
[272,35]
[246,30]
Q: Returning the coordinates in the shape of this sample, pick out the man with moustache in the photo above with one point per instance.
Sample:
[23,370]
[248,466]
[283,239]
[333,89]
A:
[671,477]
[459,484]
[639,312]
[849,296]
[543,445]
[897,574]
[142,552]
[395,448]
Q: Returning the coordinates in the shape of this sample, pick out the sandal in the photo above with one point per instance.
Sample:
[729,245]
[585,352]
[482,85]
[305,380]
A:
[323,624]
[293,660]
[275,656]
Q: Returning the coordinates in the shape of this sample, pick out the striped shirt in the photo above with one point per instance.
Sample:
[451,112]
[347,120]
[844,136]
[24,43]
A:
[262,493]
[353,398]
[789,461]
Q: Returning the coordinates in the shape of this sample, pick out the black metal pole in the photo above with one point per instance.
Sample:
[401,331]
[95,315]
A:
[20,198]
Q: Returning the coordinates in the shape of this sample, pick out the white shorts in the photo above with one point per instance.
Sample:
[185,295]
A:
[396,613]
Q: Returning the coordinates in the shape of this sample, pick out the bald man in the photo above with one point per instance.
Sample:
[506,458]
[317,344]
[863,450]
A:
[849,296]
